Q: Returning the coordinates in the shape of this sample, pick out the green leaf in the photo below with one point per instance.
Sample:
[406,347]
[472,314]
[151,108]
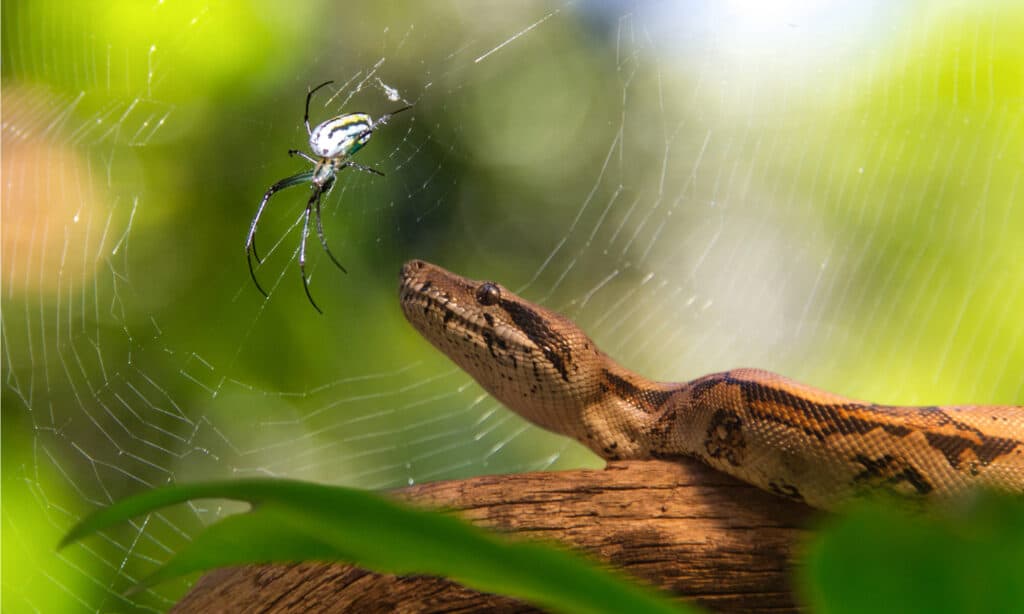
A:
[880,558]
[293,521]
[240,540]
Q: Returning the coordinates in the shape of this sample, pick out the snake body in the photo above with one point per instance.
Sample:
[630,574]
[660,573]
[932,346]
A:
[769,431]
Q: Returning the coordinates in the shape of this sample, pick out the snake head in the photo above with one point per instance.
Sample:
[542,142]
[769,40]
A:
[532,359]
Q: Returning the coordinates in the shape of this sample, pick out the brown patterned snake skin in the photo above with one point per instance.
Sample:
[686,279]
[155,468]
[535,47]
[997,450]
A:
[779,435]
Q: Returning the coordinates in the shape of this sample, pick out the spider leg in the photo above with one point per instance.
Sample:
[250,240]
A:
[320,233]
[365,169]
[302,261]
[250,241]
[383,119]
[309,96]
[302,154]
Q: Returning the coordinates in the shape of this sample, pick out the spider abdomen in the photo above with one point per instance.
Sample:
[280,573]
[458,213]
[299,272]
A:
[341,136]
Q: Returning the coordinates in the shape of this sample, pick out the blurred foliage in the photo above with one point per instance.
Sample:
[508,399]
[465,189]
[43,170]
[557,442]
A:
[948,140]
[879,558]
[845,210]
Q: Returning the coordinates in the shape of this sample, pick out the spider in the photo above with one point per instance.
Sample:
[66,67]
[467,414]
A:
[333,143]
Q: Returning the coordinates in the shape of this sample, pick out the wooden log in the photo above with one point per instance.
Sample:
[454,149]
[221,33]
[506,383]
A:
[699,534]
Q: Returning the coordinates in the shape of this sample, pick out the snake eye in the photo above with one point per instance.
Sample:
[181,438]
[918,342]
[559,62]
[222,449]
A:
[488,294]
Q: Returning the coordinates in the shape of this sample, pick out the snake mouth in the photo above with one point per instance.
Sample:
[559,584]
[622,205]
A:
[437,302]
[414,285]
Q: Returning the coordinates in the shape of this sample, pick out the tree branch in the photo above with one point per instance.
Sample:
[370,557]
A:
[691,530]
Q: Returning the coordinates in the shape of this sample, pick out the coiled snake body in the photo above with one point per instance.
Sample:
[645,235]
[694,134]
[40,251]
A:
[779,435]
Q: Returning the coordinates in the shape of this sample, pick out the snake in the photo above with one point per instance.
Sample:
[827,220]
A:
[779,435]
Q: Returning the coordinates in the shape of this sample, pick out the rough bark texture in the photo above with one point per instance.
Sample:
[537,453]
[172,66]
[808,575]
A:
[702,535]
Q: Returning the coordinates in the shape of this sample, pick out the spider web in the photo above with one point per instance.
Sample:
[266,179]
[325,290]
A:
[830,192]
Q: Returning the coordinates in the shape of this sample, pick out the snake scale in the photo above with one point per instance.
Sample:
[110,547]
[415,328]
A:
[776,434]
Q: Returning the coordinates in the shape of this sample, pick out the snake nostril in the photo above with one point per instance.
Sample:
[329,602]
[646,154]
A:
[410,268]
